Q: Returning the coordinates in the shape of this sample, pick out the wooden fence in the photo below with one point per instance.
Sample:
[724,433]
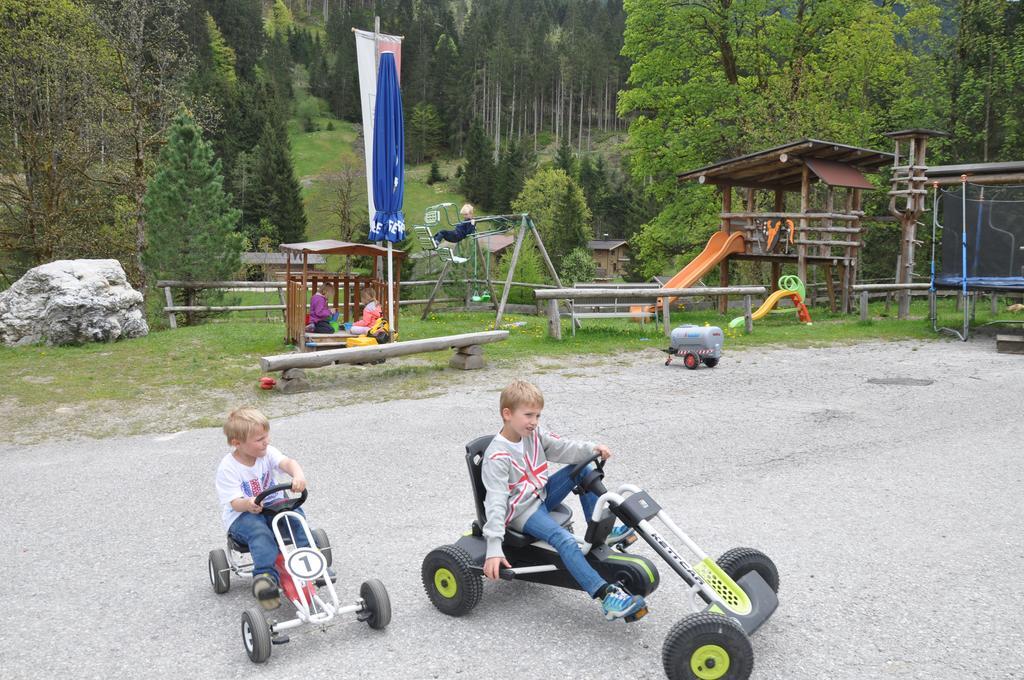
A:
[655,295]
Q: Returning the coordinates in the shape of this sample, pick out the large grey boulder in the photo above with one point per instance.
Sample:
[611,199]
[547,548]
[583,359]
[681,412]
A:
[71,302]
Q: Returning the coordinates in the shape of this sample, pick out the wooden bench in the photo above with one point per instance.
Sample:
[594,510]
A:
[1010,344]
[468,355]
[315,341]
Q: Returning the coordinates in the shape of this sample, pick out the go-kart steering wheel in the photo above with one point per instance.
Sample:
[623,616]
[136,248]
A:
[283,505]
[582,465]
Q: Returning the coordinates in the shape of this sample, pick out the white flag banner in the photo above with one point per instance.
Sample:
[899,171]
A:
[368,46]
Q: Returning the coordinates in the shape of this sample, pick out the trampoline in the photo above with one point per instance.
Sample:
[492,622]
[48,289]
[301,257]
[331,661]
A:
[982,243]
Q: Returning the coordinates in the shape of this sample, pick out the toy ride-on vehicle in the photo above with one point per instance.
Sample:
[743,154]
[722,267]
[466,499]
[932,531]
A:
[452,574]
[695,344]
[730,598]
[303,575]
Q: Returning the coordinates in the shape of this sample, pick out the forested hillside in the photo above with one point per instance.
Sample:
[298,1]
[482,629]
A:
[618,96]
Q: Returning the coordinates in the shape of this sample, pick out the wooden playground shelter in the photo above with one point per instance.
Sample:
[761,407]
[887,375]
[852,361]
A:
[302,282]
[826,235]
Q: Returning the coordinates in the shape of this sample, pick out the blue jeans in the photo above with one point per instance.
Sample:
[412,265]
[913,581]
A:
[255,531]
[540,525]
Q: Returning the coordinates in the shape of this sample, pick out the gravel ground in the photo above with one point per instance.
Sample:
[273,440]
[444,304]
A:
[892,509]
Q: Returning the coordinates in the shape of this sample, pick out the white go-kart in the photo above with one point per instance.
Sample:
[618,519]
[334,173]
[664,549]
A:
[304,578]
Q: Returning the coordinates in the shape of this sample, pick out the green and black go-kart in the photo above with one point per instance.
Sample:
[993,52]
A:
[730,597]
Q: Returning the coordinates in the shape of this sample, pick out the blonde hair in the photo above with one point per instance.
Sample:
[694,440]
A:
[326,286]
[366,295]
[520,393]
[467,210]
[243,422]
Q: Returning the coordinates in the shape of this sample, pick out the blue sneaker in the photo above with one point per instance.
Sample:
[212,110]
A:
[621,536]
[618,604]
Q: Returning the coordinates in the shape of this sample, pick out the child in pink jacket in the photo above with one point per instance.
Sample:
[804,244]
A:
[371,312]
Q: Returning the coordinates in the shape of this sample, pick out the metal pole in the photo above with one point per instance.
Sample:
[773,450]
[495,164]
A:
[748,319]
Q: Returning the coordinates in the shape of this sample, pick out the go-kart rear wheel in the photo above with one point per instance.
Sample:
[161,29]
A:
[738,562]
[220,573]
[452,584]
[691,361]
[256,635]
[707,647]
[378,604]
[324,545]
[710,362]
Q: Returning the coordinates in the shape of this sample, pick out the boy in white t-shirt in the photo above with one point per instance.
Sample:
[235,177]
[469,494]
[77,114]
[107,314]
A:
[241,476]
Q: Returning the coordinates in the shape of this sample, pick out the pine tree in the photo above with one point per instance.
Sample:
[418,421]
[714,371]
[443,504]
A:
[191,225]
[223,57]
[477,182]
[276,194]
[565,158]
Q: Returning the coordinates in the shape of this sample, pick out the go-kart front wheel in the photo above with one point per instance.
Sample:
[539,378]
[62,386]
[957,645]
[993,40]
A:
[452,584]
[256,635]
[220,573]
[377,604]
[707,646]
[324,545]
[738,562]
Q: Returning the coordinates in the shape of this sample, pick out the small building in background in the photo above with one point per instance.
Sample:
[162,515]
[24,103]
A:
[274,265]
[494,246]
[611,257]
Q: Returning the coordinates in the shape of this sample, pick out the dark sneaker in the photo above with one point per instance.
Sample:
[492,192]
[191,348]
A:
[618,604]
[264,589]
[621,536]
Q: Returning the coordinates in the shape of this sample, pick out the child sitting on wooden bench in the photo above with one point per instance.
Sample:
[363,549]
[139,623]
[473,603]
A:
[320,312]
[371,312]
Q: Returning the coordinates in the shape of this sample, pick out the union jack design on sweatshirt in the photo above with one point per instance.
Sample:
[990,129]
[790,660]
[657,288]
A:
[516,480]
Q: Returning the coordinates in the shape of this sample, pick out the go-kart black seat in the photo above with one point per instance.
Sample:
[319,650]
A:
[474,458]
[238,546]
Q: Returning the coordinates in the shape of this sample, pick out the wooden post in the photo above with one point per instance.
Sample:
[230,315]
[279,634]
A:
[511,272]
[995,304]
[170,303]
[829,287]
[554,320]
[805,203]
[776,275]
[437,287]
[665,304]
[551,268]
[863,305]
[723,276]
[748,317]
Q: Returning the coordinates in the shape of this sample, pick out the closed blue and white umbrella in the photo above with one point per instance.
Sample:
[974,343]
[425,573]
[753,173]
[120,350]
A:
[388,165]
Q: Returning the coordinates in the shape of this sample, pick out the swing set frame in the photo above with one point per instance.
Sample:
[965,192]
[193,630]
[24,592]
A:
[432,217]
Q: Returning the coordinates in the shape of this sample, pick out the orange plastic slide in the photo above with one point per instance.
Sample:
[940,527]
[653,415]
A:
[719,247]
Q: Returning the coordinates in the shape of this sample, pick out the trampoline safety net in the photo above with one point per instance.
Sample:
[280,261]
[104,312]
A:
[993,251]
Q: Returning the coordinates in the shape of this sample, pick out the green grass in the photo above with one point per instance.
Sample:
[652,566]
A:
[174,379]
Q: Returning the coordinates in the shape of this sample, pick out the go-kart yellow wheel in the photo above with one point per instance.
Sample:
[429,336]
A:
[707,646]
[451,582]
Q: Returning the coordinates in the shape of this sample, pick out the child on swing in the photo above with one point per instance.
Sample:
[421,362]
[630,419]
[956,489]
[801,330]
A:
[463,229]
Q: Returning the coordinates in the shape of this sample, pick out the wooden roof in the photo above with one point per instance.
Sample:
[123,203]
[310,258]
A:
[330,247]
[781,167]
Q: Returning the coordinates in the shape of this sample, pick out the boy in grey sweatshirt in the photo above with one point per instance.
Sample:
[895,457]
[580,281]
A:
[520,492]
